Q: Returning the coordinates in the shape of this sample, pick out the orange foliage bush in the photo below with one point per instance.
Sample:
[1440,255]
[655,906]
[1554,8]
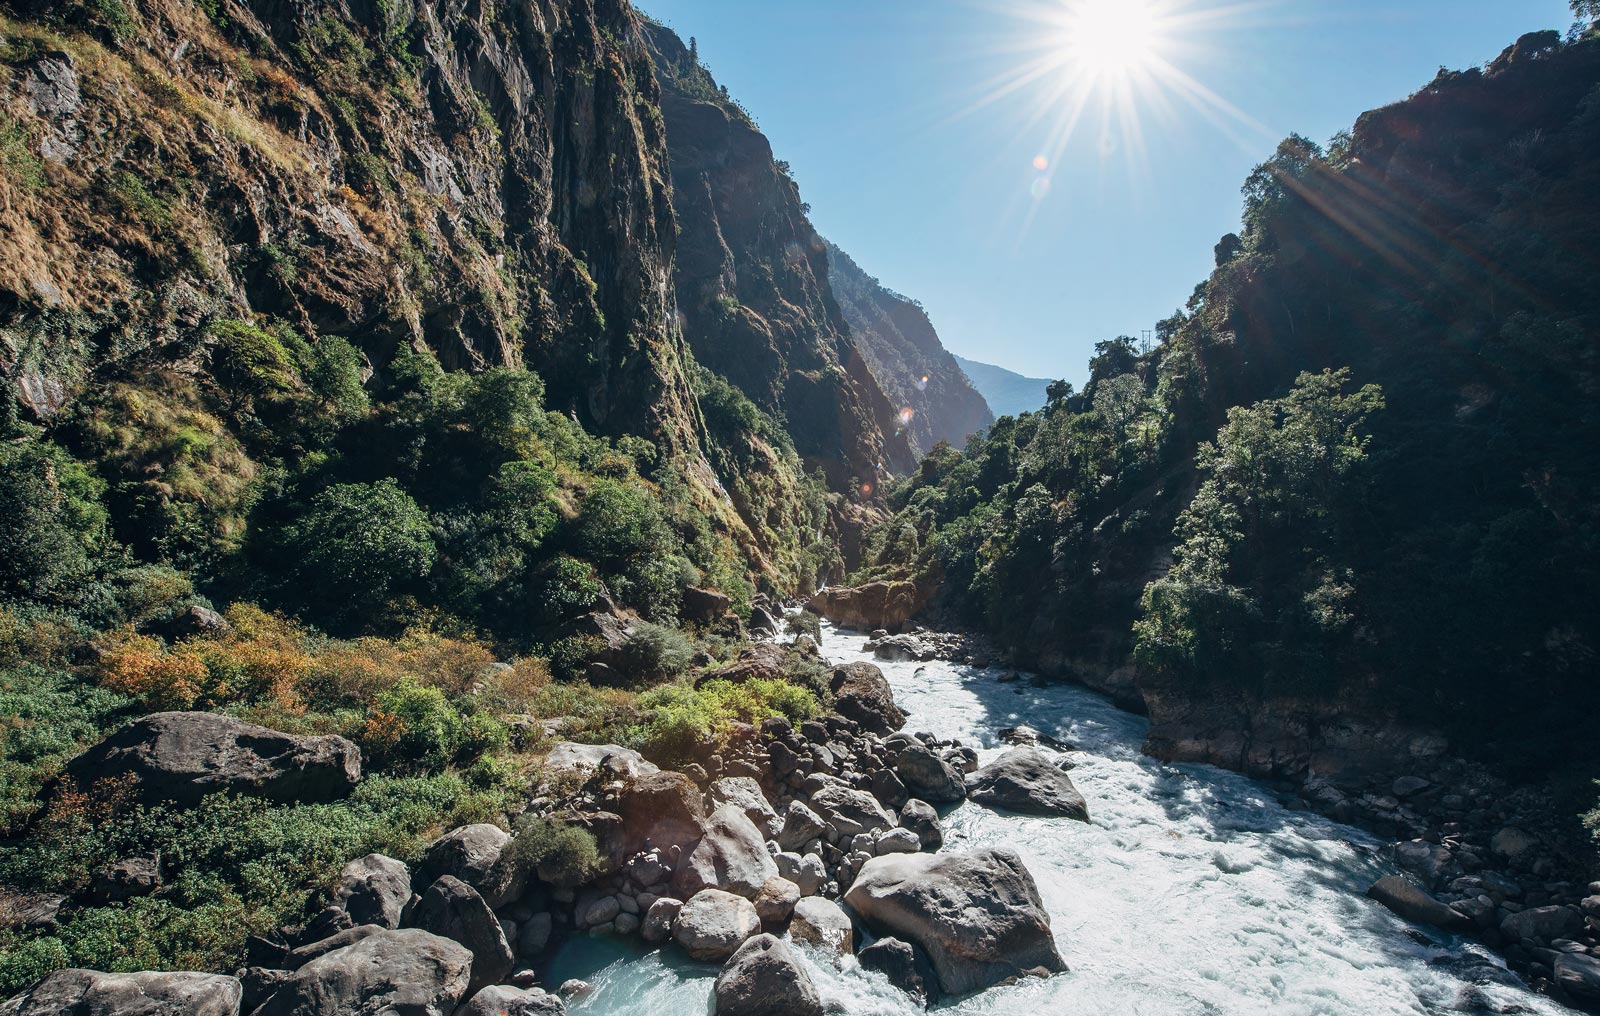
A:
[141,667]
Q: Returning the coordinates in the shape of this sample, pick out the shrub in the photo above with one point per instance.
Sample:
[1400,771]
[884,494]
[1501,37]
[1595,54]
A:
[416,723]
[683,723]
[561,854]
[357,544]
[53,528]
[653,652]
[140,667]
[617,521]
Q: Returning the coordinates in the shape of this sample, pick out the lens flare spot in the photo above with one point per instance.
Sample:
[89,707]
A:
[1040,188]
[1041,163]
[866,490]
[906,415]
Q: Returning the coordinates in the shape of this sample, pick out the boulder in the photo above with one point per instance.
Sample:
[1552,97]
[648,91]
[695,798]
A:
[732,856]
[1579,976]
[1429,861]
[589,758]
[764,621]
[127,879]
[660,809]
[906,967]
[374,890]
[745,792]
[898,841]
[978,916]
[408,971]
[920,818]
[181,757]
[91,993]
[776,901]
[821,923]
[1031,736]
[704,605]
[1513,844]
[861,693]
[299,957]
[801,825]
[850,812]
[807,872]
[503,1000]
[886,605]
[1542,924]
[929,777]
[453,909]
[658,920]
[888,788]
[1409,901]
[714,924]
[765,978]
[1024,781]
[468,853]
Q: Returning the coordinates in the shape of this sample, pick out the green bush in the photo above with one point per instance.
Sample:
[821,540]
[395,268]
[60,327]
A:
[357,544]
[54,532]
[561,854]
[682,723]
[617,521]
[653,652]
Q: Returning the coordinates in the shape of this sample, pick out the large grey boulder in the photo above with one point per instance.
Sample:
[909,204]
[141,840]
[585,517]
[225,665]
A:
[801,825]
[1024,781]
[906,967]
[776,902]
[1408,900]
[823,924]
[732,856]
[861,693]
[589,758]
[928,776]
[454,910]
[849,811]
[714,924]
[181,757]
[765,978]
[91,993]
[922,819]
[468,853]
[504,1000]
[374,890]
[745,792]
[659,809]
[978,916]
[408,971]
[299,957]
[1579,976]
[1542,924]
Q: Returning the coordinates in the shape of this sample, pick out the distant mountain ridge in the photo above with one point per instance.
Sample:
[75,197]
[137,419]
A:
[1007,392]
[907,359]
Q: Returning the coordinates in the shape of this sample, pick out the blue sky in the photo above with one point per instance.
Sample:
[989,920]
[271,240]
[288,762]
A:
[887,110]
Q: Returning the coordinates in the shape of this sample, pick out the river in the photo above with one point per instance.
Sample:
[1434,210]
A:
[1193,891]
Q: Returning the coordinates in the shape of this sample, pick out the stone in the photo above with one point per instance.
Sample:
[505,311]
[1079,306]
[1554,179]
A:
[658,920]
[763,621]
[299,957]
[861,693]
[978,916]
[453,909]
[626,923]
[1513,844]
[704,605]
[534,935]
[568,755]
[1031,736]
[91,993]
[714,924]
[660,810]
[604,909]
[807,872]
[732,856]
[1541,924]
[1579,976]
[181,757]
[872,607]
[801,825]
[898,841]
[888,788]
[929,777]
[776,901]
[745,792]
[31,911]
[1024,781]
[1428,860]
[575,988]
[907,968]
[921,818]
[468,853]
[823,924]
[408,971]
[765,978]
[374,890]
[1401,896]
[503,1000]
[127,879]
[259,984]
[850,812]
[1408,786]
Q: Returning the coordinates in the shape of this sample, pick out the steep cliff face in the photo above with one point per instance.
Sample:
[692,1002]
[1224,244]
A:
[752,283]
[485,181]
[904,353]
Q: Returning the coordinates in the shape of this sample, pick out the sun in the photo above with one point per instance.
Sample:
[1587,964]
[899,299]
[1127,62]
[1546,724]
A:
[1113,38]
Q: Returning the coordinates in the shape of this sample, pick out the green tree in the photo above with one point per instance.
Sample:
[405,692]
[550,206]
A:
[53,528]
[357,544]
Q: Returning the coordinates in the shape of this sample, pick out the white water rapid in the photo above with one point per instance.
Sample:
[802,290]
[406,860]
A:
[1192,891]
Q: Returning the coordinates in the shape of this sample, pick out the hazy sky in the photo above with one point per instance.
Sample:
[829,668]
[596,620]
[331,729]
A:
[919,158]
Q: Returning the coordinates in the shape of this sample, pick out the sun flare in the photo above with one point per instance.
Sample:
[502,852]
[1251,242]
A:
[1107,38]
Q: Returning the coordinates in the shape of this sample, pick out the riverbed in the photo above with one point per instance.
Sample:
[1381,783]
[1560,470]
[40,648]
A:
[1191,891]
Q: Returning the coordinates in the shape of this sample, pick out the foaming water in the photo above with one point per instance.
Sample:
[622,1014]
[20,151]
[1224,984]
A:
[1192,890]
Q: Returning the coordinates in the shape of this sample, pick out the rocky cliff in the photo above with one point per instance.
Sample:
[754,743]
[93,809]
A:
[752,282]
[904,353]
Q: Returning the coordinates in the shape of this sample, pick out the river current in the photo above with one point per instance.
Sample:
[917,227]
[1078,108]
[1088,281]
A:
[1192,892]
